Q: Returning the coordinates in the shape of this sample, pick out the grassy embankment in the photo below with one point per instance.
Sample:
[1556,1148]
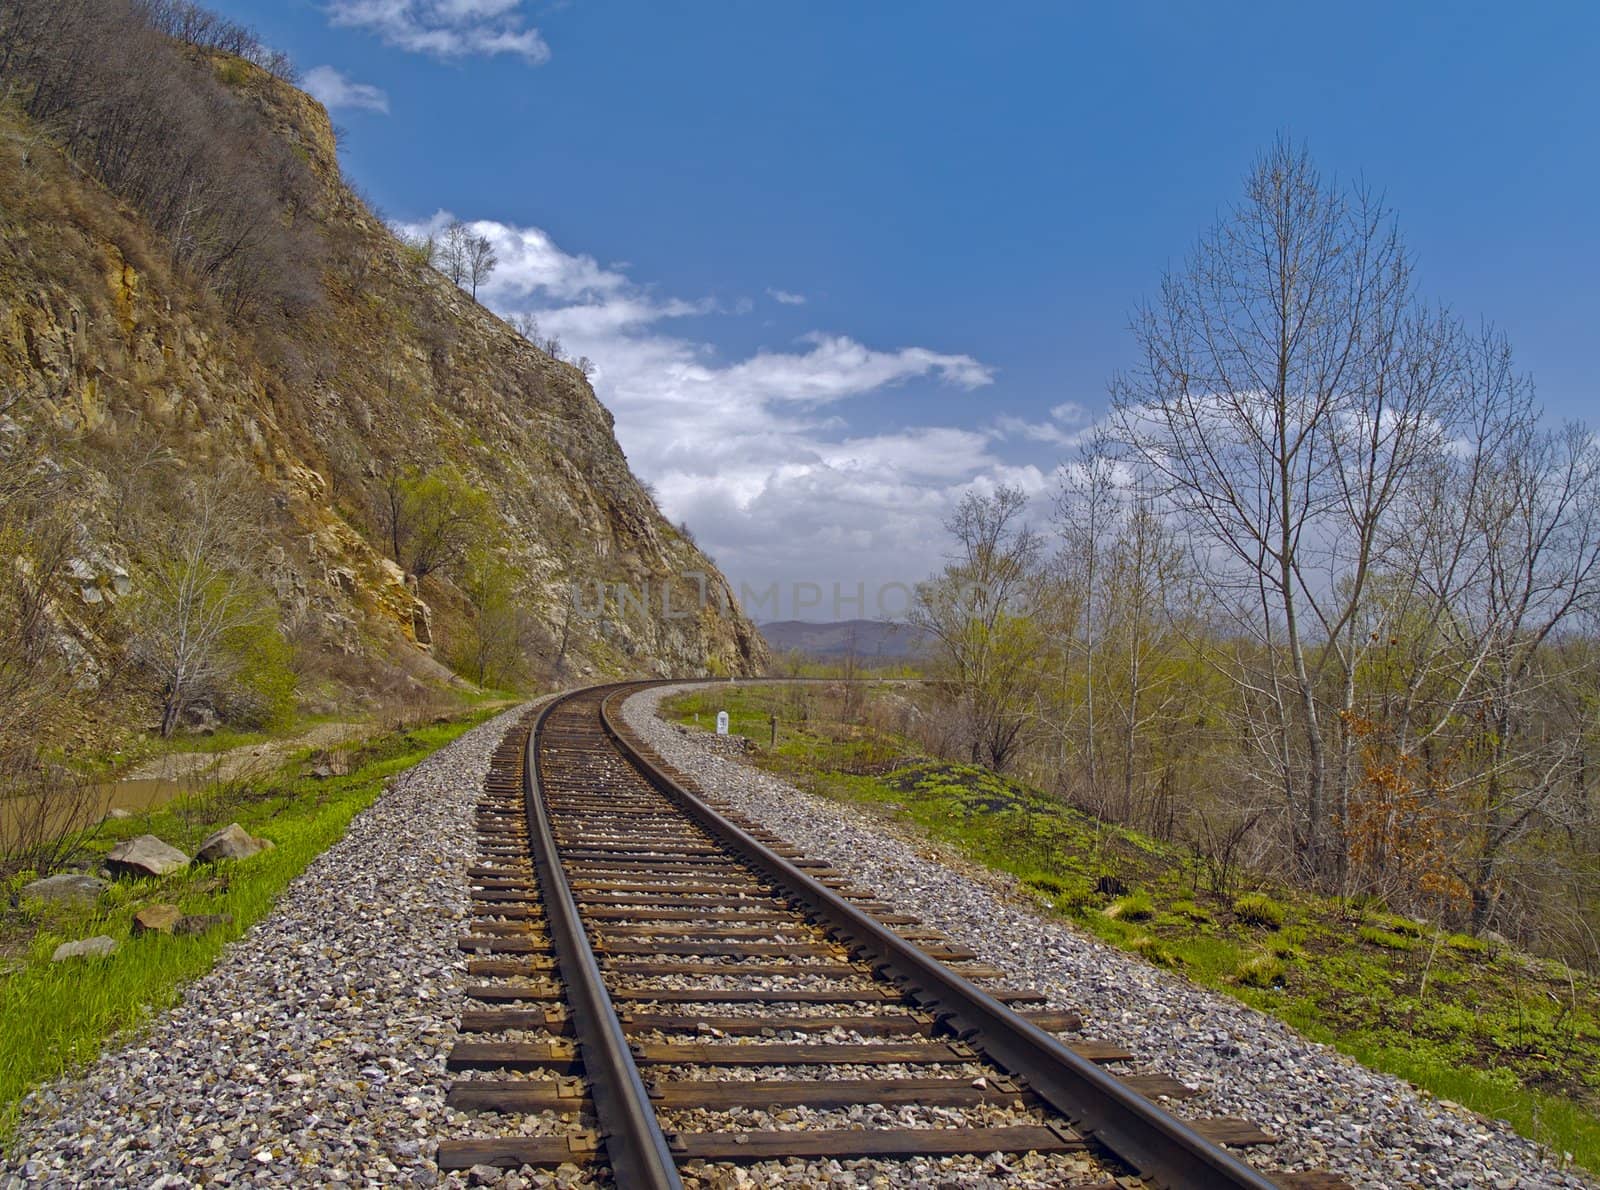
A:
[54,1016]
[1497,1030]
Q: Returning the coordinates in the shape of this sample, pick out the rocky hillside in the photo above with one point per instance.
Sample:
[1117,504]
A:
[137,378]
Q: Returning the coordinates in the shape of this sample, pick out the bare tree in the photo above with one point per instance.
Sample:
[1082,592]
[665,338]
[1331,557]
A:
[1290,388]
[227,195]
[480,261]
[455,248]
[197,592]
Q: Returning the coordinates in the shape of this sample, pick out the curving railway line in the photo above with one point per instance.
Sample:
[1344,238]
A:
[659,986]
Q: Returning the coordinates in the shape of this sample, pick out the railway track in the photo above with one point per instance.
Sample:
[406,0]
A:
[660,986]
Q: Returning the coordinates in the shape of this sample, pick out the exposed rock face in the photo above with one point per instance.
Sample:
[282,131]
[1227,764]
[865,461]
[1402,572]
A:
[145,856]
[231,842]
[97,947]
[388,365]
[157,919]
[65,888]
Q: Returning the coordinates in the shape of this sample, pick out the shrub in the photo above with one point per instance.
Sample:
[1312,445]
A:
[1386,939]
[1192,911]
[1397,924]
[1261,971]
[1151,948]
[1136,906]
[1283,946]
[261,689]
[1258,909]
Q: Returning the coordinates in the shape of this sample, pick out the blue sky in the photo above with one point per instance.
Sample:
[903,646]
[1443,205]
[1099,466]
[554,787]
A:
[837,263]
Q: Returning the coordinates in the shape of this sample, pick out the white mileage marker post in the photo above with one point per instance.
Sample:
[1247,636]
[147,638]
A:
[722,722]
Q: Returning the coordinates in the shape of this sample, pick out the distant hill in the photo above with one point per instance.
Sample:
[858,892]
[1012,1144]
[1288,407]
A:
[865,638]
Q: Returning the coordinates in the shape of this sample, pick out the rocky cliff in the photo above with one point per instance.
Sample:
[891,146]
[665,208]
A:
[122,360]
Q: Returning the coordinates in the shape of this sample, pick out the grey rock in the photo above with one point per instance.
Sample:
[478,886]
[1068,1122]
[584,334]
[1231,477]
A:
[145,856]
[65,888]
[195,924]
[231,842]
[97,947]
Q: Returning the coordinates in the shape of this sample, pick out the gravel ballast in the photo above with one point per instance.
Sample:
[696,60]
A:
[1330,1112]
[313,1052]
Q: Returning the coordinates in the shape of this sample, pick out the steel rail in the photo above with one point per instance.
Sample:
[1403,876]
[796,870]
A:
[1161,1147]
[635,1147]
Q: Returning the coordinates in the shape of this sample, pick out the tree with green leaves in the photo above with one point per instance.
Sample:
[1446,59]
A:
[980,611]
[431,518]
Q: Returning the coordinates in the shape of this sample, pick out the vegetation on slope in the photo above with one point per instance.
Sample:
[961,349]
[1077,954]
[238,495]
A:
[56,1016]
[257,459]
[1474,1021]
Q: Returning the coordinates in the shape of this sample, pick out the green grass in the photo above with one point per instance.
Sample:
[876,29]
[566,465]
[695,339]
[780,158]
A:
[55,1016]
[1136,906]
[1500,1032]
[1258,909]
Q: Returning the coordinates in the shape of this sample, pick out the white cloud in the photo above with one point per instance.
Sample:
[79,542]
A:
[1070,413]
[784,298]
[758,453]
[445,28]
[333,90]
[1069,425]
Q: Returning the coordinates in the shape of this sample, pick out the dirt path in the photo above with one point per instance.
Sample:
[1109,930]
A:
[247,758]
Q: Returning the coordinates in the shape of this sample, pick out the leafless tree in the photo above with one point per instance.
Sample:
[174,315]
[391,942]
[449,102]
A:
[226,194]
[480,261]
[198,590]
[1290,387]
[455,248]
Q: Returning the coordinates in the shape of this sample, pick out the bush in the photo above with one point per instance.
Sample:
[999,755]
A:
[1386,939]
[1192,911]
[1397,924]
[1261,971]
[1151,949]
[1136,906]
[1258,909]
[159,130]
[1283,947]
[260,692]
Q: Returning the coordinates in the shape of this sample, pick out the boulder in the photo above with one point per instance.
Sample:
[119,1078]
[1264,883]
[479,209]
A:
[85,948]
[118,814]
[231,842]
[145,856]
[201,923]
[157,919]
[65,888]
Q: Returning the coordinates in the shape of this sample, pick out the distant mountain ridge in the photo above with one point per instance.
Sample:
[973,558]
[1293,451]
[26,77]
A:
[863,638]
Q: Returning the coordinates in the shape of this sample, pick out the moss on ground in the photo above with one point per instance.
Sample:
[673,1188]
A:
[1502,1032]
